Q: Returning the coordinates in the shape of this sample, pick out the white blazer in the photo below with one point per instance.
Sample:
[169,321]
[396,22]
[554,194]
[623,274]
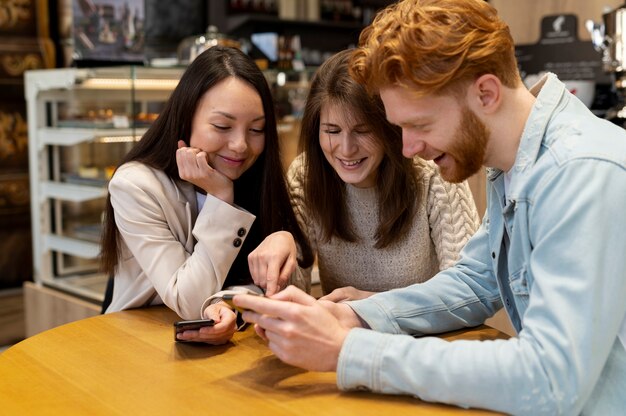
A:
[171,254]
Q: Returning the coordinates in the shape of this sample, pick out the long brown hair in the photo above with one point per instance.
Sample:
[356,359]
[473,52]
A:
[324,191]
[261,189]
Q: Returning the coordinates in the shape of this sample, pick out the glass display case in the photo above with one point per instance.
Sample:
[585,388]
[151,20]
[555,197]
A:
[81,122]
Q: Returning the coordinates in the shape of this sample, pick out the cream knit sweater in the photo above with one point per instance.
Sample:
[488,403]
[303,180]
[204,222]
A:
[443,223]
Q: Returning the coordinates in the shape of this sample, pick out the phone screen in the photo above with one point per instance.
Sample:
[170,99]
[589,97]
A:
[196,324]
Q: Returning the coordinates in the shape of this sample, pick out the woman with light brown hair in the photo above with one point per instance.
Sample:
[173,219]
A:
[375,219]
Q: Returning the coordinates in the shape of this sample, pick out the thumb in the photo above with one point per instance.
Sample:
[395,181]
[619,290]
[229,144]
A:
[333,296]
[213,312]
[337,295]
[181,144]
[225,312]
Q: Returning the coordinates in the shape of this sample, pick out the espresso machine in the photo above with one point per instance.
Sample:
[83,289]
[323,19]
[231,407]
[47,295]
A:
[609,38]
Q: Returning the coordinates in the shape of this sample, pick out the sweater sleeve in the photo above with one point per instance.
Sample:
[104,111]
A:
[452,217]
[295,182]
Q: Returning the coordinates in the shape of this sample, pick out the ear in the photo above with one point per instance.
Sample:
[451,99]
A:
[485,94]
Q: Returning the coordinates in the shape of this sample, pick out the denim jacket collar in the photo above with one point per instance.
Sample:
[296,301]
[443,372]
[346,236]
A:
[548,91]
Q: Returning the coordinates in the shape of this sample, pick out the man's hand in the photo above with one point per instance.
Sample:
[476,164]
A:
[299,330]
[273,262]
[344,314]
[194,168]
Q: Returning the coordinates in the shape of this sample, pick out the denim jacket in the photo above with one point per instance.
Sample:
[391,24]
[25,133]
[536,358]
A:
[553,255]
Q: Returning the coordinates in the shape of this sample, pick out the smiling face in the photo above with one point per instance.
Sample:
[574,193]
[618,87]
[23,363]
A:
[440,129]
[349,146]
[229,125]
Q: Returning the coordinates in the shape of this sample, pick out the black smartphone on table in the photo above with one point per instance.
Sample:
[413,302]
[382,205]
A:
[193,325]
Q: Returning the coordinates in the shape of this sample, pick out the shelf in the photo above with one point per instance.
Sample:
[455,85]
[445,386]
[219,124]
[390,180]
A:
[68,136]
[274,23]
[71,246]
[51,82]
[320,35]
[71,192]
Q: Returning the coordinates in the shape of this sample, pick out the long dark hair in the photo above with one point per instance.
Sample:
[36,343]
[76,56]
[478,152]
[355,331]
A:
[261,189]
[324,191]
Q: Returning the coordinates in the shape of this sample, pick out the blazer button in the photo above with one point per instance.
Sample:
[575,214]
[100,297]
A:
[241,232]
[237,242]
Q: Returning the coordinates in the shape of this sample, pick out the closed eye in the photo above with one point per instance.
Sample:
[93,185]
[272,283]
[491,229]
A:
[423,128]
[420,125]
[219,127]
[331,131]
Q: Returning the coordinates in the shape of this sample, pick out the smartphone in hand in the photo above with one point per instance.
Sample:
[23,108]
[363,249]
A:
[228,298]
[193,325]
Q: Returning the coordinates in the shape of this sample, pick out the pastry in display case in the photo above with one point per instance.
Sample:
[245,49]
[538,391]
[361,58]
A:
[81,122]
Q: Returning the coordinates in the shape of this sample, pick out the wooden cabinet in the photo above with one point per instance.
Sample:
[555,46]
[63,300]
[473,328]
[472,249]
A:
[24,44]
[46,308]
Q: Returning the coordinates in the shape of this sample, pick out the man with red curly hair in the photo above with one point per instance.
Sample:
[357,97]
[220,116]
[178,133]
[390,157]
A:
[551,249]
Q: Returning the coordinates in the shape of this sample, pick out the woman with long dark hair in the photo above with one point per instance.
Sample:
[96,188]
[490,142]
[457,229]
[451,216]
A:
[199,194]
[376,220]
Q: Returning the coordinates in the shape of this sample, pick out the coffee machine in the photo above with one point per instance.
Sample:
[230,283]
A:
[609,38]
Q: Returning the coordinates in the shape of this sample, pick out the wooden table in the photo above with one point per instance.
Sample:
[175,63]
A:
[127,363]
